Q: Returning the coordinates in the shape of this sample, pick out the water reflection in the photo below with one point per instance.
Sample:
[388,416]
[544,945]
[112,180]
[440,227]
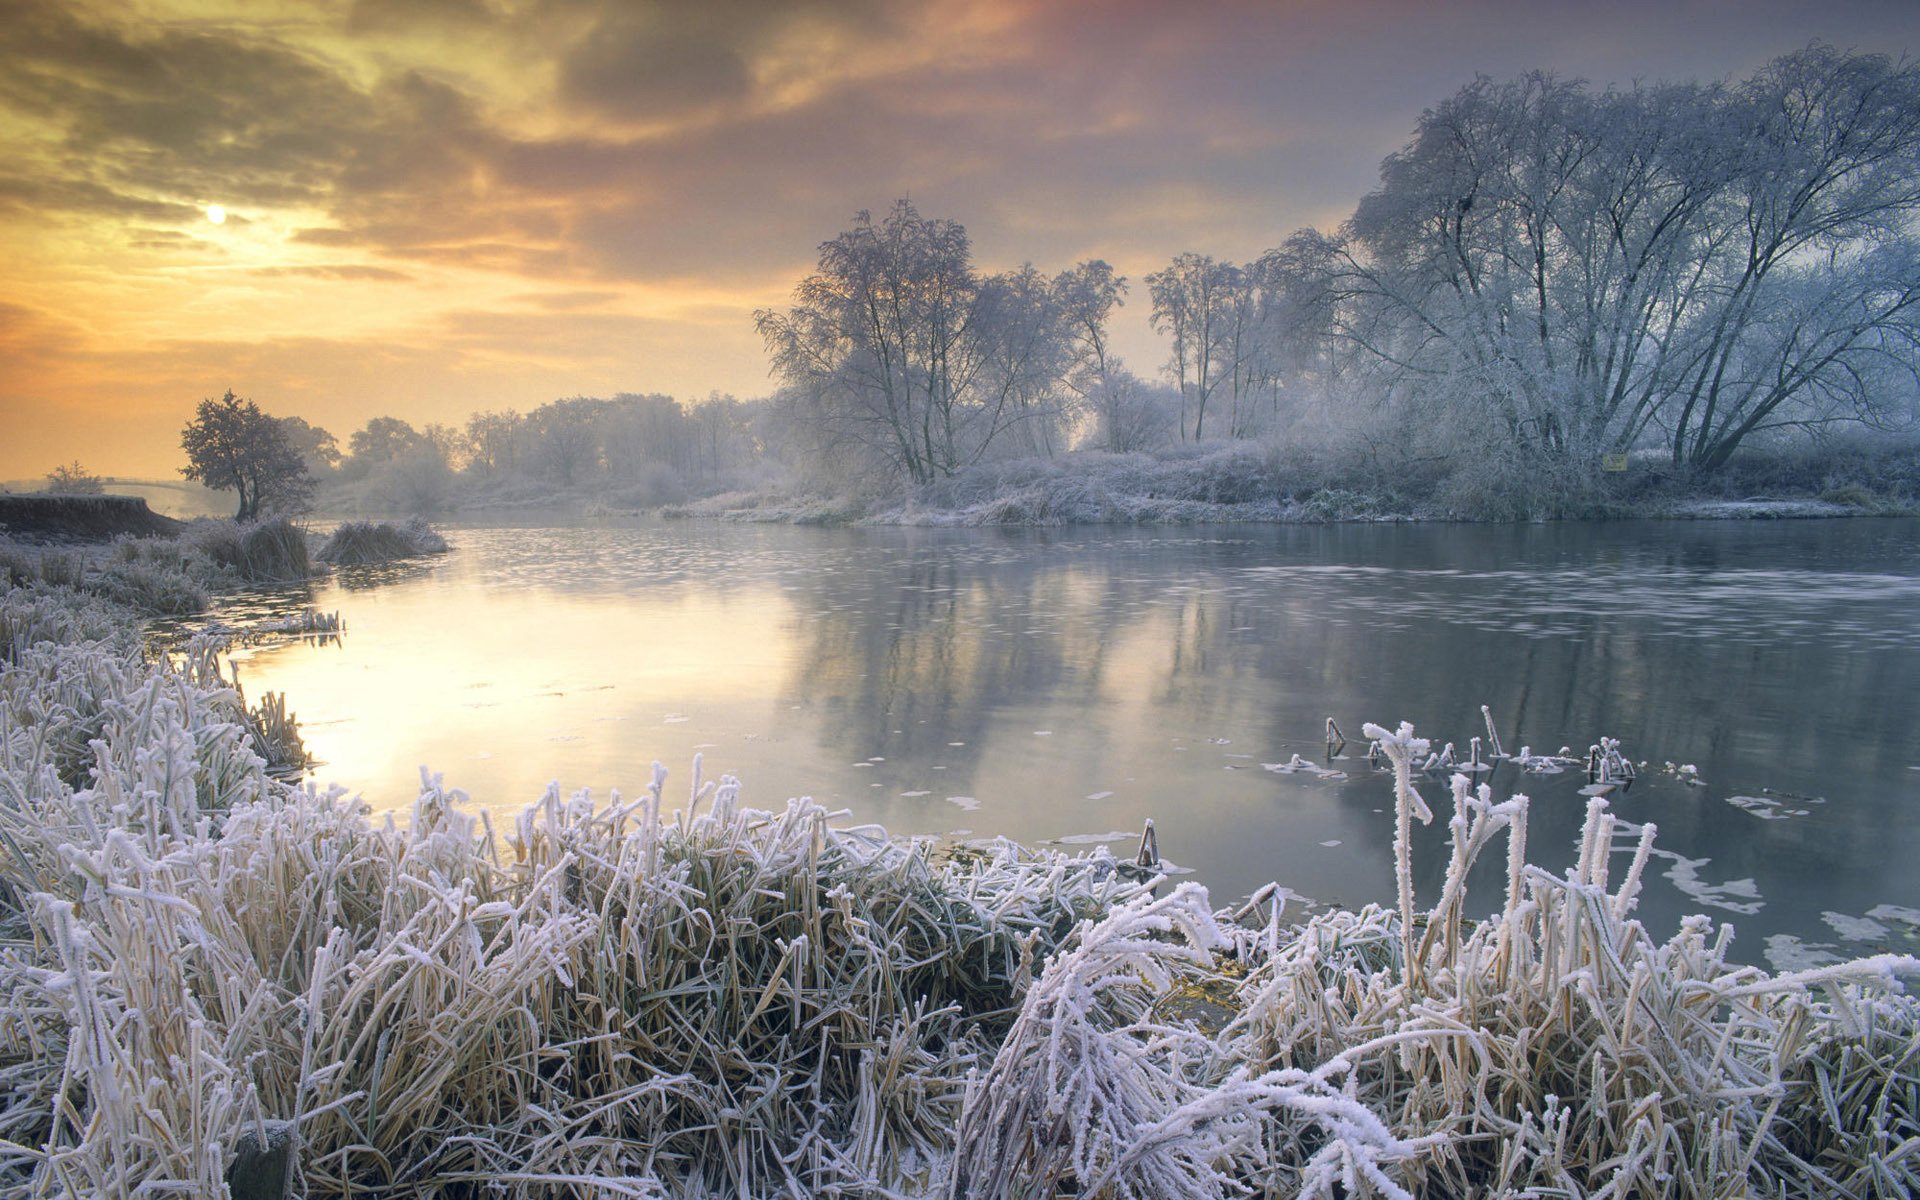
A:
[1046,684]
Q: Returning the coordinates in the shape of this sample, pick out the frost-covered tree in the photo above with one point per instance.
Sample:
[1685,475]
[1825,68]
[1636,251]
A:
[1108,396]
[1683,265]
[492,441]
[232,445]
[898,351]
[1215,315]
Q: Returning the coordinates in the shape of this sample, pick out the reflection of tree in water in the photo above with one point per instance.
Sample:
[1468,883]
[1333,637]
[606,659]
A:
[925,653]
[1262,637]
[378,575]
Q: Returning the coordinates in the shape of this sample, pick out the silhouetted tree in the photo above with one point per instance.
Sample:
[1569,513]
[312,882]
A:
[231,444]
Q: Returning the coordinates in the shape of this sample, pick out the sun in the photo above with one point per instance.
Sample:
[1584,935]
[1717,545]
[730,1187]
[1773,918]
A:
[217,214]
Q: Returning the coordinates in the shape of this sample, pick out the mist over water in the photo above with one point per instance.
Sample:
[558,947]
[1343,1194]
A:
[1052,685]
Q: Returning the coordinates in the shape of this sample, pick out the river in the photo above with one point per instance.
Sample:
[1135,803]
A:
[1062,686]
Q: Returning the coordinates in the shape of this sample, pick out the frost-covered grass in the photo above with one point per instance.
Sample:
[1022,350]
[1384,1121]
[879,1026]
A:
[267,551]
[616,999]
[358,543]
[167,576]
[1219,481]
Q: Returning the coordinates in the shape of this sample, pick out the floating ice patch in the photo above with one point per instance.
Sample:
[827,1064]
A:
[956,743]
[1331,844]
[911,795]
[1094,839]
[1856,929]
[1788,953]
[1766,808]
[1098,795]
[1043,733]
[564,737]
[1598,789]
[675,718]
[1296,764]
[966,802]
[1736,895]
[1893,912]
[876,758]
[1219,741]
[863,764]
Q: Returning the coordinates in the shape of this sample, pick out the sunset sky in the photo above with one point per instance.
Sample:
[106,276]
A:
[437,206]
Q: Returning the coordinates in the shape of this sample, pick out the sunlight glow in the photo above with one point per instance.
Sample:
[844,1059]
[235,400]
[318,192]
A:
[217,214]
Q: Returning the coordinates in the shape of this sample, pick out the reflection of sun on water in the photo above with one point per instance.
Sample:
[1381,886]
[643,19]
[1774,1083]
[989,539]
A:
[442,676]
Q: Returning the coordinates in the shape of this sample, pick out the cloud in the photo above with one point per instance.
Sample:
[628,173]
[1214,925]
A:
[354,272]
[509,200]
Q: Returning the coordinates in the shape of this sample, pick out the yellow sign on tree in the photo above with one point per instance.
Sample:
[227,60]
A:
[1616,461]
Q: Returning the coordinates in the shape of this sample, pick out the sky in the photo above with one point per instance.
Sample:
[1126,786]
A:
[345,209]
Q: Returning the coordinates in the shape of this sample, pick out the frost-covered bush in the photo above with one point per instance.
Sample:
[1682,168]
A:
[359,543]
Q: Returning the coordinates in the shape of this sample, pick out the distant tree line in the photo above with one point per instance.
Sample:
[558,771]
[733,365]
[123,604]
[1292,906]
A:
[642,448]
[1546,273]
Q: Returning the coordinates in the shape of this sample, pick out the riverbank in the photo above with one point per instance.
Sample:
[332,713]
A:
[38,517]
[1212,482]
[1245,481]
[724,1001]
[98,549]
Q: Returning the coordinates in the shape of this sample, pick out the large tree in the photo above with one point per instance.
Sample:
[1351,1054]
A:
[232,445]
[898,349]
[1685,265]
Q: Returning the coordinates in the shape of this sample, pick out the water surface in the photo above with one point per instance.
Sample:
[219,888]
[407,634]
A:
[1059,684]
